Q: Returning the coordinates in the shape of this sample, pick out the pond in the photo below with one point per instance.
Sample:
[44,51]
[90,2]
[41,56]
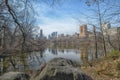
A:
[33,60]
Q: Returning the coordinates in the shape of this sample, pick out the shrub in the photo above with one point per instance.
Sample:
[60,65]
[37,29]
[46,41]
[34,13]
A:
[114,53]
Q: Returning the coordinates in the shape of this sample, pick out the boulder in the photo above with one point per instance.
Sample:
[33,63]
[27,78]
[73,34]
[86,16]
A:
[15,76]
[59,69]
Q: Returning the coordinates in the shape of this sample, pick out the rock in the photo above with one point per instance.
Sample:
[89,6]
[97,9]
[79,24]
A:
[59,69]
[15,76]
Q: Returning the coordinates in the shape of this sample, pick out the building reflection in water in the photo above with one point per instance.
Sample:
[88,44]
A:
[84,55]
[56,51]
[32,61]
[35,59]
[53,51]
[89,55]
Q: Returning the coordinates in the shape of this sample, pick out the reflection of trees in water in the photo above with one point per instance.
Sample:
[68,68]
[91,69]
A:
[41,52]
[61,50]
[53,51]
[21,62]
[35,59]
[84,55]
[89,54]
[86,50]
[67,50]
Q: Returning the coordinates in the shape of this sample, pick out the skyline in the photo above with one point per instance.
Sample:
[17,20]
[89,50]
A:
[59,17]
[62,17]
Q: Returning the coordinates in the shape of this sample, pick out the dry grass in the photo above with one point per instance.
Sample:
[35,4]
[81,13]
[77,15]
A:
[104,69]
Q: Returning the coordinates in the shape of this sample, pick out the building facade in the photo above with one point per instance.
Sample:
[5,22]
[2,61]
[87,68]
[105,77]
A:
[83,31]
[108,31]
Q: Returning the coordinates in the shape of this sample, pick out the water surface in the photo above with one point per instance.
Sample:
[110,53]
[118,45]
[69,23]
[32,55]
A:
[33,60]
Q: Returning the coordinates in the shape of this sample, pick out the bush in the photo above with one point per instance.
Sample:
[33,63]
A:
[114,52]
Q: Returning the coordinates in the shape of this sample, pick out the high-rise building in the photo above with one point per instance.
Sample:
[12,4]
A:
[83,31]
[110,31]
[105,28]
[41,33]
[54,34]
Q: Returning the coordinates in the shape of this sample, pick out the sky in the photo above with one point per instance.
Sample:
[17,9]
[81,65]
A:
[66,16]
[61,17]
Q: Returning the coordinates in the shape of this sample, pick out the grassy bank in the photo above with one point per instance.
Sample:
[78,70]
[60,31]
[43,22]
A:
[107,68]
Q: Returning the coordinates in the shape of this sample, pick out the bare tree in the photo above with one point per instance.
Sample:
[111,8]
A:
[22,20]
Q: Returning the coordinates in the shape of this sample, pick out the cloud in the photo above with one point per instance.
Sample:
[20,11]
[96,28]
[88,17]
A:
[58,19]
[66,26]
